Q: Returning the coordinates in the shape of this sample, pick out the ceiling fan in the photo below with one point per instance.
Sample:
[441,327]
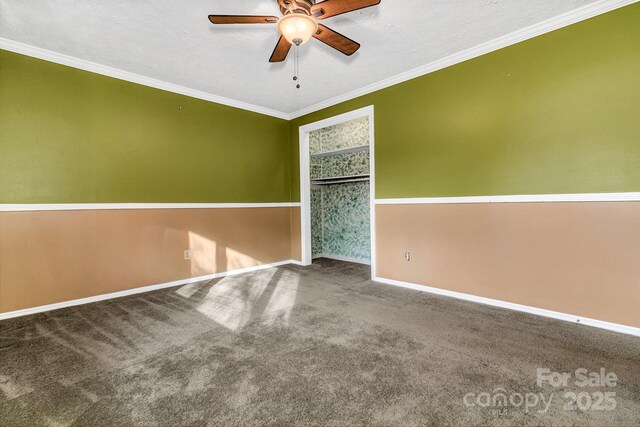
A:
[299,22]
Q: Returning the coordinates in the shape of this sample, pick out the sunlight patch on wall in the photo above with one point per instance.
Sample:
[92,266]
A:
[203,255]
[236,260]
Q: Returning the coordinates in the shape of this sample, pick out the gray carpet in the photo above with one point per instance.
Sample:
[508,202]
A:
[320,345]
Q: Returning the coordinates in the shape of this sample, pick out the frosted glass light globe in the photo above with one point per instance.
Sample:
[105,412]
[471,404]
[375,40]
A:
[297,28]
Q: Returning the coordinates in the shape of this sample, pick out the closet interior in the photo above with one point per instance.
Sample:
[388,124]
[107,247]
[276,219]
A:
[339,173]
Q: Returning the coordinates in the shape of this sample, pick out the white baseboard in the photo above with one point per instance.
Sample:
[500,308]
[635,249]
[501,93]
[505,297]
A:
[343,258]
[64,304]
[630,330]
[624,329]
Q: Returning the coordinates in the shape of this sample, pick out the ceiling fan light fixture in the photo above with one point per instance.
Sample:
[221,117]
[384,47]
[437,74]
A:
[297,28]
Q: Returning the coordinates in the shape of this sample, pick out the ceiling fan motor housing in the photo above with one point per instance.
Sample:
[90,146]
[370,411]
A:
[288,7]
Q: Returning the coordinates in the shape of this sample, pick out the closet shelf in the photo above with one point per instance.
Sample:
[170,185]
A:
[340,179]
[341,151]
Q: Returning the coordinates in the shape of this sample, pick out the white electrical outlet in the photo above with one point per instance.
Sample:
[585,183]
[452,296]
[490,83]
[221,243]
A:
[407,256]
[187,254]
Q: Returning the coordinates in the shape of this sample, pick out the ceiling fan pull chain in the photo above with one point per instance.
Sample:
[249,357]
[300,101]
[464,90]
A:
[296,67]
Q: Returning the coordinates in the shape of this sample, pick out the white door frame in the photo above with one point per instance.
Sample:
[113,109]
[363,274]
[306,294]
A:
[305,180]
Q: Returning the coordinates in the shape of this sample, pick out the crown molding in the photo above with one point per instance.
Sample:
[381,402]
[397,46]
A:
[116,73]
[560,21]
[555,23]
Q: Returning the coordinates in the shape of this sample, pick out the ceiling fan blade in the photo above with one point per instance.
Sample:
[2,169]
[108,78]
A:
[242,19]
[281,51]
[336,40]
[329,8]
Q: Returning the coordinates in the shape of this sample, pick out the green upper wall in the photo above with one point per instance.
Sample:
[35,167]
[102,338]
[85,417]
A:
[559,113]
[554,114]
[70,136]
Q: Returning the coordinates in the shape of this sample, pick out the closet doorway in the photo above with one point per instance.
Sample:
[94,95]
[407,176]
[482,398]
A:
[337,188]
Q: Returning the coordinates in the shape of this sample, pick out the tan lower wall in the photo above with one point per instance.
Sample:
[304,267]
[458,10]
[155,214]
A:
[296,234]
[577,258]
[55,256]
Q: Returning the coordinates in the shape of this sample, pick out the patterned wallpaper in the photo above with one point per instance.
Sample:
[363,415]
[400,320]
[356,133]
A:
[316,220]
[345,220]
[354,133]
[340,220]
[340,216]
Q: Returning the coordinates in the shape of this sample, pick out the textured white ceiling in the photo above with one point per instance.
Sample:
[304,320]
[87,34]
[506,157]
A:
[173,41]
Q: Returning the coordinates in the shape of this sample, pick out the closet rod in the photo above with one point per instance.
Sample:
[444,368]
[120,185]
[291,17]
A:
[339,181]
[337,178]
